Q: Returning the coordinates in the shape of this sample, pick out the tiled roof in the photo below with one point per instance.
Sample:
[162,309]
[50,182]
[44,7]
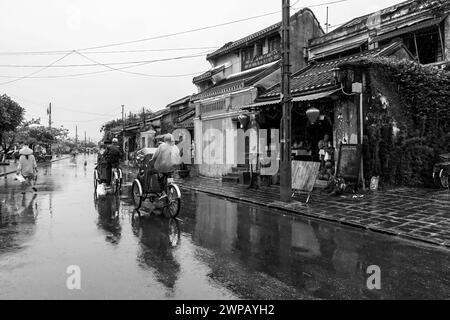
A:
[319,76]
[386,16]
[208,74]
[179,102]
[230,46]
[234,83]
[233,45]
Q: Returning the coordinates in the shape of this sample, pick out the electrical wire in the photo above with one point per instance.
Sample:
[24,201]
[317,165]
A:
[38,71]
[35,103]
[176,33]
[117,69]
[12,53]
[96,64]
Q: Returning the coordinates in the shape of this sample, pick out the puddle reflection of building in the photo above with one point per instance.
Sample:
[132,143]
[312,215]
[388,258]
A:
[216,223]
[108,208]
[157,239]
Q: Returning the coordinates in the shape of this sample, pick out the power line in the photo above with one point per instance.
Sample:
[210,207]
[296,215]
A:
[96,64]
[15,53]
[117,69]
[38,71]
[180,32]
[37,105]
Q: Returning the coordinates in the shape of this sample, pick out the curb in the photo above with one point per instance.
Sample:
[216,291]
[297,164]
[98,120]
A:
[445,245]
[4,174]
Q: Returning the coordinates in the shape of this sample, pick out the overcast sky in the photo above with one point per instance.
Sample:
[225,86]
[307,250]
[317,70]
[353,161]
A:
[90,100]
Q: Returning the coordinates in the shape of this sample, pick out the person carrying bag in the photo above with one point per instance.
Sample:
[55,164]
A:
[27,168]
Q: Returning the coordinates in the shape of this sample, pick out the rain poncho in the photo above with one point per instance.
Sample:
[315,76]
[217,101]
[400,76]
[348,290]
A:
[166,158]
[27,167]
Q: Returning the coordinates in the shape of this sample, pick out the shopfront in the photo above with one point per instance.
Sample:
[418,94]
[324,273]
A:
[321,122]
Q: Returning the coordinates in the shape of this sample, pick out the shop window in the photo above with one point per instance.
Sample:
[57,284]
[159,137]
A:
[258,49]
[274,44]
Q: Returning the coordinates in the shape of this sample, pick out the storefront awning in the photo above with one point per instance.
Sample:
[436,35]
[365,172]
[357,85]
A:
[315,96]
[263,104]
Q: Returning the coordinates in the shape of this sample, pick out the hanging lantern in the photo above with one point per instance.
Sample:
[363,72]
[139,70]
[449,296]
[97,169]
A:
[313,115]
[244,119]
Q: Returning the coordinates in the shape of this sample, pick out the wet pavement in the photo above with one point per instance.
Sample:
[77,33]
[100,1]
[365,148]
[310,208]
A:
[220,249]
[418,214]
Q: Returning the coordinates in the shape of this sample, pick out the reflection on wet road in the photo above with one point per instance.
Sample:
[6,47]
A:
[220,249]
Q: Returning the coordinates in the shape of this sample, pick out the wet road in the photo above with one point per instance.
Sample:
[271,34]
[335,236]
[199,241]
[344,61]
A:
[220,249]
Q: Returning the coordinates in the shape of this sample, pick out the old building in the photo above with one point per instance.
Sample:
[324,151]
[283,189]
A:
[330,102]
[422,26]
[240,70]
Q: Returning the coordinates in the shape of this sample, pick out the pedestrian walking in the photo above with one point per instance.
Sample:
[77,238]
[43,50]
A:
[27,168]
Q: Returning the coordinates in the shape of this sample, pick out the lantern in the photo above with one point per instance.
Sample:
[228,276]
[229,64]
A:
[244,119]
[313,115]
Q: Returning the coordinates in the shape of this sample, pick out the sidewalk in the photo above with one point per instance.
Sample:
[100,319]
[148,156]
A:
[415,214]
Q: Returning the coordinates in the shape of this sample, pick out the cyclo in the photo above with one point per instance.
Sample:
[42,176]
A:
[155,187]
[101,175]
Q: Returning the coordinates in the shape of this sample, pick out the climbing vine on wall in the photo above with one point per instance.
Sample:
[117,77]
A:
[408,119]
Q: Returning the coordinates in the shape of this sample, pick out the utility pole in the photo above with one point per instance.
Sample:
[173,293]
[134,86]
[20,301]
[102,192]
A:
[85,140]
[123,118]
[327,25]
[286,163]
[49,111]
[76,136]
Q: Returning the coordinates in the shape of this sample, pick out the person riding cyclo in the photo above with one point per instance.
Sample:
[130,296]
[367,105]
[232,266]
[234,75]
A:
[115,155]
[103,168]
[166,158]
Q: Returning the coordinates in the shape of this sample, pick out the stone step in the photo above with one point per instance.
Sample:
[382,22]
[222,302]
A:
[239,169]
[231,178]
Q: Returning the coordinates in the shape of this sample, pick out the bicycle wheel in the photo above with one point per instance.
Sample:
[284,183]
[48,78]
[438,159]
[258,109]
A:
[95,180]
[136,194]
[173,202]
[444,178]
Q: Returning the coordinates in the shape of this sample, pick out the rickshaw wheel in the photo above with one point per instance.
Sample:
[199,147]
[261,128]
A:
[444,179]
[95,180]
[173,203]
[136,195]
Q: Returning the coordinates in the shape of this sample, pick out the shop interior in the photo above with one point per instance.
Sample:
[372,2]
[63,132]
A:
[312,132]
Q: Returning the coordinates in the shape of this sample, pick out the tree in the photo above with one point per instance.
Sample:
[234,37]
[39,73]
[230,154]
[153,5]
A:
[11,115]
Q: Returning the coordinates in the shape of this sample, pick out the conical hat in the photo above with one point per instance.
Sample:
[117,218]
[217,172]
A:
[26,151]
